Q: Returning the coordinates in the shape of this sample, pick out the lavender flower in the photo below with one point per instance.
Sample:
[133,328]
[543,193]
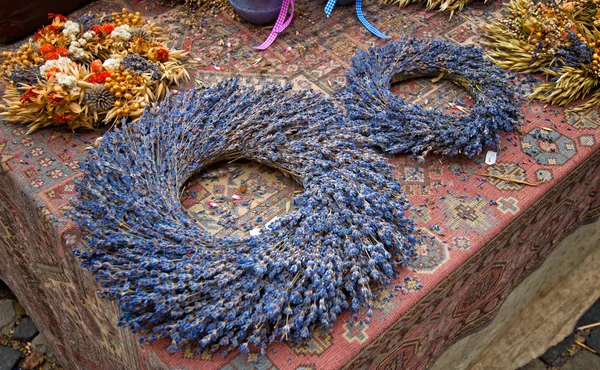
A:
[171,279]
[86,21]
[392,124]
[20,76]
[139,65]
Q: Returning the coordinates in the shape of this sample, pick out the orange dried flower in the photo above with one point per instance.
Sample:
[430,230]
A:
[47,48]
[60,17]
[98,29]
[43,31]
[51,73]
[51,56]
[96,66]
[162,55]
[26,97]
[108,27]
[62,52]
[63,118]
[54,99]
[99,78]
[51,29]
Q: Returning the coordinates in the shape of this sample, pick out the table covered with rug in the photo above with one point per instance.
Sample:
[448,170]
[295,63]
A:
[486,227]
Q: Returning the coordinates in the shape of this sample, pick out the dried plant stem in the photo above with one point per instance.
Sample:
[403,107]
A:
[499,177]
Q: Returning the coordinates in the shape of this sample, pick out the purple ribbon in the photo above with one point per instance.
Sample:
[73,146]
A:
[280,25]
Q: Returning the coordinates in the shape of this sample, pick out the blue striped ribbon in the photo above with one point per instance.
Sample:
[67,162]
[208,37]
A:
[359,13]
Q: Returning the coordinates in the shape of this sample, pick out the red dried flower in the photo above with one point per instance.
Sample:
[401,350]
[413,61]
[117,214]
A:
[98,29]
[51,73]
[51,29]
[63,118]
[108,27]
[62,52]
[43,31]
[162,55]
[54,99]
[96,66]
[26,97]
[99,78]
[51,56]
[47,48]
[60,17]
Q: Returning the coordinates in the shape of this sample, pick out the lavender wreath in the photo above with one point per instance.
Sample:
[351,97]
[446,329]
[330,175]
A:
[389,122]
[345,238]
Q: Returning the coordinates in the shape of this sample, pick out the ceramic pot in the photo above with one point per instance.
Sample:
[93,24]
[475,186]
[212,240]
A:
[257,11]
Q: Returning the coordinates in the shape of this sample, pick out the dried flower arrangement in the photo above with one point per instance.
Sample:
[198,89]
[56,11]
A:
[81,74]
[174,280]
[559,38]
[392,124]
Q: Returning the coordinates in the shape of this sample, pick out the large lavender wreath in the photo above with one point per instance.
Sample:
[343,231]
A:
[395,126]
[172,279]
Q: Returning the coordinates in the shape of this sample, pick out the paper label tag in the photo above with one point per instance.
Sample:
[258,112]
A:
[268,224]
[256,231]
[490,158]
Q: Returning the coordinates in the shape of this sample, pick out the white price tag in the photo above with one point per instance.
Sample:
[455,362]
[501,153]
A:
[255,231]
[268,224]
[490,157]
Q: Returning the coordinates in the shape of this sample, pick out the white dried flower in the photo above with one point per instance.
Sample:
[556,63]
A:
[46,66]
[71,28]
[112,64]
[76,52]
[66,80]
[88,35]
[121,33]
[61,63]
[82,42]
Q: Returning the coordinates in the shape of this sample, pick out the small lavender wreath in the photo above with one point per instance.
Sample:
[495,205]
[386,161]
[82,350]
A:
[174,280]
[395,126]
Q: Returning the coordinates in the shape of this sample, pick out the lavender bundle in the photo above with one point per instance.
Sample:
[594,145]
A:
[392,124]
[345,238]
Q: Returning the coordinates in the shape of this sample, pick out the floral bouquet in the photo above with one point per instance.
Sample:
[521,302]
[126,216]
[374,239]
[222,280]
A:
[559,38]
[82,74]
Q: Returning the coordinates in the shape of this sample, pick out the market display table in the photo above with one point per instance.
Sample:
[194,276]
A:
[483,234]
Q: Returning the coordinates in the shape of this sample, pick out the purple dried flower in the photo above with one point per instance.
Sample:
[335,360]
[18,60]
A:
[172,279]
[392,124]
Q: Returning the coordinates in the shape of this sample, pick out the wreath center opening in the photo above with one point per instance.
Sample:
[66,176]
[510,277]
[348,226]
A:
[434,91]
[234,198]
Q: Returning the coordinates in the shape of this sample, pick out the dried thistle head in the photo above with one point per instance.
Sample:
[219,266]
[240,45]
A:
[142,33]
[99,99]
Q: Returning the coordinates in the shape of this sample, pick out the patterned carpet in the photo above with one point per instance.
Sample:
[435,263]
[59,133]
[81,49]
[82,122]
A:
[484,235]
